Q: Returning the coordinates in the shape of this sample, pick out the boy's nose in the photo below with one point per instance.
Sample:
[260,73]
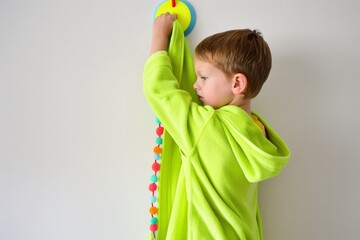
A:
[196,86]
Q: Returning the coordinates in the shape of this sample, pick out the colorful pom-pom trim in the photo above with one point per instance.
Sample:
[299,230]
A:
[153,186]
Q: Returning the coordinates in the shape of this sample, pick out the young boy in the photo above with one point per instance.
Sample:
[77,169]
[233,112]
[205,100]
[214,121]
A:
[225,148]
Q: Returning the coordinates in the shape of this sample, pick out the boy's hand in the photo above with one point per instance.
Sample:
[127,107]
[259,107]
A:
[162,28]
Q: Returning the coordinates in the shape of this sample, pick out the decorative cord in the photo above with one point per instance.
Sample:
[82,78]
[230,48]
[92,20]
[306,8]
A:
[154,179]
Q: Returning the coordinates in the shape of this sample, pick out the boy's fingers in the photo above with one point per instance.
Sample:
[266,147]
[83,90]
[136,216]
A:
[173,15]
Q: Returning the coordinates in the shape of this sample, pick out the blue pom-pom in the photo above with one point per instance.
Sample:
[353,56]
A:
[152,199]
[157,120]
[157,156]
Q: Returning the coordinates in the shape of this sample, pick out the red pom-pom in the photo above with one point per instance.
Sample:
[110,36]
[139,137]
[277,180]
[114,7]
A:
[152,187]
[156,166]
[153,227]
[159,131]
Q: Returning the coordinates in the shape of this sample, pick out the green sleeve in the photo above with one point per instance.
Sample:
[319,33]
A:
[182,118]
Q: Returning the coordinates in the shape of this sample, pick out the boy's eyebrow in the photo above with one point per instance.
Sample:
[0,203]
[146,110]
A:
[198,72]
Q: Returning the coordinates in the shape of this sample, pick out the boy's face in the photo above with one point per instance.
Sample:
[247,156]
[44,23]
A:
[213,87]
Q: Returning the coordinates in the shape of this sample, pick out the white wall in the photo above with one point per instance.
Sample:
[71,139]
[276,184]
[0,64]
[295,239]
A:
[76,133]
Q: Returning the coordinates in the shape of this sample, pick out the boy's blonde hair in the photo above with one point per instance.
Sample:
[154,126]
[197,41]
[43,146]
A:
[238,51]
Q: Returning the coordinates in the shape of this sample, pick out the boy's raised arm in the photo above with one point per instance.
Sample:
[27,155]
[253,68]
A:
[161,31]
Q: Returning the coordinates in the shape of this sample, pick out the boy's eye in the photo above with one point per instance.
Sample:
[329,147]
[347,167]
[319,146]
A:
[203,78]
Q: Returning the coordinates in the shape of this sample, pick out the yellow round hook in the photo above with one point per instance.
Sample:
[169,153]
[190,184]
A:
[183,10]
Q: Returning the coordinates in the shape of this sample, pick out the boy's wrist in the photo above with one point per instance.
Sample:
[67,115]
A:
[158,43]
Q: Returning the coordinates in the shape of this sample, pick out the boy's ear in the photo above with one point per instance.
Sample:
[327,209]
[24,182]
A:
[239,83]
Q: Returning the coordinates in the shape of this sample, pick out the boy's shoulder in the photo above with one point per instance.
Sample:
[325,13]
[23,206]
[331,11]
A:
[238,120]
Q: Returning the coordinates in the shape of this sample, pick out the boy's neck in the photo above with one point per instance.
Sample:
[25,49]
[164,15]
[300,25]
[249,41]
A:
[246,106]
[244,103]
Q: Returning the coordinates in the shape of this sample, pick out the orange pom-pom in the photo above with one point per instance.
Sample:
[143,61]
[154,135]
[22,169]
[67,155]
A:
[153,210]
[157,150]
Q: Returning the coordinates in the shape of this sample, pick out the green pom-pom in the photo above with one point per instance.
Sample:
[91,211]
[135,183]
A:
[158,140]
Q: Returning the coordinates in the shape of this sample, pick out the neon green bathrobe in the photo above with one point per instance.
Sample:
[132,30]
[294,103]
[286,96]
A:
[212,160]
